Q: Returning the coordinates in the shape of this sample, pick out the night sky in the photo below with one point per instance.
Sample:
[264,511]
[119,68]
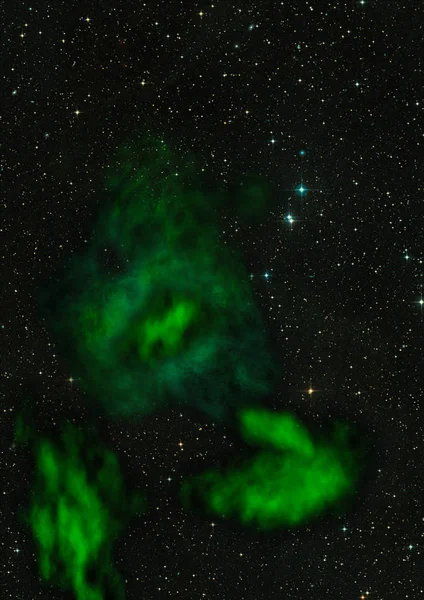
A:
[327,95]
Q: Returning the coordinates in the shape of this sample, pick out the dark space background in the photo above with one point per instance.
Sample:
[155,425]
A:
[244,86]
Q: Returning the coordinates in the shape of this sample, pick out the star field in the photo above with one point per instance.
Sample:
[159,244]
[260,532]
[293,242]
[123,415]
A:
[323,100]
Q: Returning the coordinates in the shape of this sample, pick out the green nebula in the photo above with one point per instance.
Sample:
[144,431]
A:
[289,480]
[158,308]
[78,506]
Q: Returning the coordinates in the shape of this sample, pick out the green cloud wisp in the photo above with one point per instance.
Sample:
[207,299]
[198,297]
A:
[78,506]
[157,308]
[291,478]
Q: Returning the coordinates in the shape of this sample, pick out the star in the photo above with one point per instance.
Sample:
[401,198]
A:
[266,275]
[302,152]
[301,189]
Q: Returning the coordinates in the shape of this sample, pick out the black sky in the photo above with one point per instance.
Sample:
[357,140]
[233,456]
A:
[341,80]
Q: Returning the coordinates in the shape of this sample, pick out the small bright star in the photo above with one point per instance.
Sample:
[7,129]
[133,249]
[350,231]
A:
[77,112]
[290,219]
[301,189]
[410,546]
[266,275]
[302,153]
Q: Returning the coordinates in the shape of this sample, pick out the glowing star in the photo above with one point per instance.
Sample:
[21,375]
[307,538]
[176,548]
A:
[301,189]
[266,275]
[289,218]
[302,153]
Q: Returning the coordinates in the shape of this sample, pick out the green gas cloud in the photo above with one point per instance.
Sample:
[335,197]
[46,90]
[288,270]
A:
[291,479]
[158,308]
[77,508]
